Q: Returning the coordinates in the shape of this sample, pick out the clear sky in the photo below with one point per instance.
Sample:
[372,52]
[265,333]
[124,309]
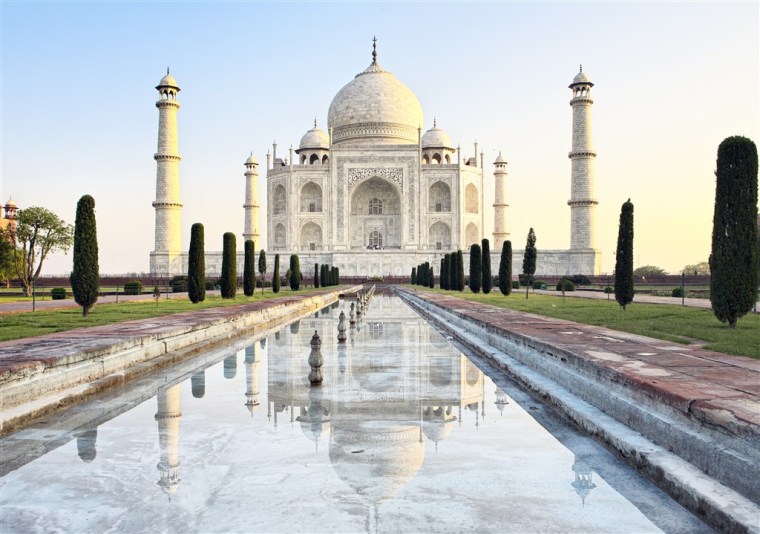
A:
[672,81]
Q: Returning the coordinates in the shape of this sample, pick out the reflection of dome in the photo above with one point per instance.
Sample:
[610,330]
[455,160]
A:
[375,106]
[436,138]
[376,461]
[315,138]
[437,423]
[86,445]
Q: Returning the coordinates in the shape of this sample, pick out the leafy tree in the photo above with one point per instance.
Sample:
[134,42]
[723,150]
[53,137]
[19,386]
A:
[702,267]
[505,268]
[476,269]
[262,267]
[276,274]
[529,260]
[39,232]
[196,266]
[249,272]
[295,273]
[460,271]
[487,276]
[733,258]
[229,266]
[85,274]
[316,275]
[649,270]
[624,257]
[413,279]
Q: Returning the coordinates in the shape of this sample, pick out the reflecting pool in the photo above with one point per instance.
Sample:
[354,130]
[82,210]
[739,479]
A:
[406,434]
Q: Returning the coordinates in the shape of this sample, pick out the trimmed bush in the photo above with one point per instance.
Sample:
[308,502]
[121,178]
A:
[677,292]
[85,277]
[515,284]
[505,269]
[58,293]
[580,280]
[609,290]
[487,278]
[196,266]
[276,274]
[249,270]
[539,284]
[133,287]
[179,284]
[476,268]
[229,266]
[565,284]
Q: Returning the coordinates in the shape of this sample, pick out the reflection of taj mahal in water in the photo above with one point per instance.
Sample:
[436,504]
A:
[394,387]
[373,194]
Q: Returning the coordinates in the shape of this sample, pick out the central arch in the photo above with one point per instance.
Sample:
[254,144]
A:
[375,215]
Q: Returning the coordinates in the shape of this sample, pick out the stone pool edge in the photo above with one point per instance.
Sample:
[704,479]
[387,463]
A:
[609,413]
[46,373]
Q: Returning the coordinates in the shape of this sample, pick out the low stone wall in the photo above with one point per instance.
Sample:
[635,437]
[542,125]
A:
[39,375]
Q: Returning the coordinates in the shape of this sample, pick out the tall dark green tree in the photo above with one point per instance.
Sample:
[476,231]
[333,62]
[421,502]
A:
[505,268]
[413,279]
[229,266]
[316,275]
[85,274]
[431,278]
[262,267]
[487,275]
[196,265]
[529,260]
[249,271]
[460,271]
[451,271]
[476,268]
[276,274]
[624,257]
[442,273]
[295,272]
[733,257]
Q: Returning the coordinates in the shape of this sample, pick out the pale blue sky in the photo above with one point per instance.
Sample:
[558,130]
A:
[672,80]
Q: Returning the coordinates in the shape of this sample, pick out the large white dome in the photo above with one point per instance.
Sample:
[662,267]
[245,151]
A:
[377,108]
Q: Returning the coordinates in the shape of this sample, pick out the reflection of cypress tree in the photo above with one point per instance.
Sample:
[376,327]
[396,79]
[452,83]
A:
[198,384]
[230,366]
[86,445]
[295,327]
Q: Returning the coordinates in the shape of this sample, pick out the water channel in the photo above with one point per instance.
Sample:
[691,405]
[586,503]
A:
[406,434]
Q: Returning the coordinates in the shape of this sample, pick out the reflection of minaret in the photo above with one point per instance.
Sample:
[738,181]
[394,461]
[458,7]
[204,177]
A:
[583,482]
[86,445]
[198,384]
[230,366]
[168,417]
[501,400]
[251,379]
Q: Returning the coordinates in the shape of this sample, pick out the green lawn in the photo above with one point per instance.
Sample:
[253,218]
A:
[681,324]
[28,324]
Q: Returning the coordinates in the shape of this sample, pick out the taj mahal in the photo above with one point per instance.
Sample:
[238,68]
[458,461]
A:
[372,194]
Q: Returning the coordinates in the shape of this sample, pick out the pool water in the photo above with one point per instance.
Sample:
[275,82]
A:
[405,434]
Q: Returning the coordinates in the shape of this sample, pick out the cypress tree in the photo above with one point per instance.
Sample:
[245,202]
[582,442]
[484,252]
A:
[85,274]
[229,266]
[196,265]
[624,257]
[505,268]
[441,273]
[451,272]
[249,273]
[295,272]
[323,275]
[460,271]
[733,257]
[316,275]
[431,278]
[529,260]
[476,269]
[487,280]
[276,274]
[262,267]
[337,276]
[413,279]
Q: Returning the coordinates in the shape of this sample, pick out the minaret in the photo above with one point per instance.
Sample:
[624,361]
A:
[582,201]
[168,417]
[500,233]
[166,257]
[251,206]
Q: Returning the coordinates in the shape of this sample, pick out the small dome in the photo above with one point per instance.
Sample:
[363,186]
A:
[581,78]
[436,138]
[251,160]
[315,138]
[11,203]
[168,81]
[500,159]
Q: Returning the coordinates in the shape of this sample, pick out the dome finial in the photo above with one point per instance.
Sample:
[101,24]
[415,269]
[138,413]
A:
[434,121]
[315,122]
[374,49]
[167,70]
[581,67]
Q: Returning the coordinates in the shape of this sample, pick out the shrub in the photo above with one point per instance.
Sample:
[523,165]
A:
[133,287]
[580,280]
[677,292]
[609,289]
[196,266]
[565,284]
[515,284]
[210,285]
[539,284]
[58,293]
[179,284]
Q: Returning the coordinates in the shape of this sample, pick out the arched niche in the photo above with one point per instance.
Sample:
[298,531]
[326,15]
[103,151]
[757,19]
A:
[439,197]
[279,199]
[471,235]
[311,236]
[439,236]
[311,198]
[374,216]
[279,235]
[471,199]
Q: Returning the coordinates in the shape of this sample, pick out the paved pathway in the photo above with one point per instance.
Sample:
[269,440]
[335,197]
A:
[48,304]
[648,299]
